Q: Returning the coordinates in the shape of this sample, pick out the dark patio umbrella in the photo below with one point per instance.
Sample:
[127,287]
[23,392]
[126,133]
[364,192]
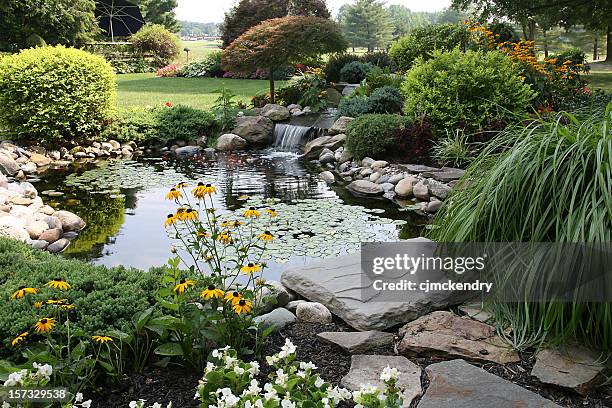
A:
[118,18]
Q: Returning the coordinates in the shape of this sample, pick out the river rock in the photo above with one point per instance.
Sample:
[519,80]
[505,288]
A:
[54,155]
[293,106]
[292,306]
[367,161]
[365,187]
[51,235]
[14,232]
[366,172]
[3,181]
[256,130]
[345,157]
[458,384]
[58,246]
[328,177]
[115,144]
[404,187]
[70,221]
[8,166]
[379,164]
[272,296]
[29,190]
[420,191]
[276,319]
[313,312]
[571,367]
[187,151]
[374,177]
[229,142]
[40,160]
[339,125]
[36,229]
[358,342]
[39,244]
[433,206]
[53,222]
[367,370]
[18,200]
[396,178]
[275,112]
[387,187]
[29,168]
[438,189]
[444,334]
[445,174]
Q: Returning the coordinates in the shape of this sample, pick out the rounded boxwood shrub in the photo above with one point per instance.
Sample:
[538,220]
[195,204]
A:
[55,94]
[353,107]
[371,135]
[157,41]
[466,90]
[386,100]
[355,72]
[335,63]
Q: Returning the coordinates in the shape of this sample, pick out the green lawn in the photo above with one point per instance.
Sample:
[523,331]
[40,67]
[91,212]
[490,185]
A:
[601,75]
[146,89]
[197,49]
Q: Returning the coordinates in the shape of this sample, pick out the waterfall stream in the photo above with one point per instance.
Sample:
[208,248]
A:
[289,138]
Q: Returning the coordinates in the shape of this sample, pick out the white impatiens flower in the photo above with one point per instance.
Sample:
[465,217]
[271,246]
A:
[271,393]
[253,389]
[15,379]
[286,403]
[239,370]
[287,350]
[254,370]
[301,374]
[156,405]
[319,382]
[230,361]
[6,405]
[78,397]
[209,367]
[308,366]
[43,371]
[271,360]
[281,377]
[86,404]
[389,373]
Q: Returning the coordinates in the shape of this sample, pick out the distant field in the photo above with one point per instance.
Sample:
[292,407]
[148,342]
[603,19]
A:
[146,89]
[601,75]
[198,49]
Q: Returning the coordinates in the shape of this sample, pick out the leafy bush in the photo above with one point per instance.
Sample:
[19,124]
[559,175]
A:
[413,143]
[263,98]
[335,64]
[504,32]
[209,66]
[308,88]
[523,189]
[386,100]
[169,71]
[379,77]
[136,124]
[379,59]
[575,55]
[371,135]
[354,107]
[355,72]
[156,40]
[423,41]
[55,94]
[132,66]
[470,90]
[105,298]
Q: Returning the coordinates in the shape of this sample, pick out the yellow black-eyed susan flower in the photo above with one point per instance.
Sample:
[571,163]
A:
[174,194]
[58,283]
[101,339]
[271,212]
[243,306]
[237,223]
[225,237]
[203,189]
[181,185]
[211,210]
[260,282]
[180,214]
[251,213]
[182,286]
[22,291]
[250,268]
[45,325]
[19,339]
[67,307]
[266,236]
[190,214]
[202,233]
[212,292]
[170,220]
[226,224]
[38,305]
[57,301]
[233,297]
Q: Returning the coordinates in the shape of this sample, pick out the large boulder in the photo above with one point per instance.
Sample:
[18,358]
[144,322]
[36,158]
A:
[340,125]
[8,165]
[230,141]
[275,320]
[313,149]
[365,187]
[40,160]
[313,312]
[404,187]
[256,130]
[275,112]
[187,151]
[70,221]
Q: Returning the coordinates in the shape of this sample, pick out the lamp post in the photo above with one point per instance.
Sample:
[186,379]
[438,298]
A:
[187,52]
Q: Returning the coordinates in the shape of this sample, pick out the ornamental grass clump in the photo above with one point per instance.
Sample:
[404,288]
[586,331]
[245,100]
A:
[547,181]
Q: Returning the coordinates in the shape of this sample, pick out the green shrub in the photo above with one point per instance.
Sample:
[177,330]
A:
[104,298]
[524,187]
[335,64]
[503,32]
[423,41]
[469,90]
[209,66]
[576,55]
[371,135]
[355,72]
[136,124]
[55,94]
[386,100]
[157,41]
[353,107]
[379,59]
[379,77]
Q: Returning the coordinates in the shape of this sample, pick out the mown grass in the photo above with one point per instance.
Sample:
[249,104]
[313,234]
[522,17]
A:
[146,89]
[197,50]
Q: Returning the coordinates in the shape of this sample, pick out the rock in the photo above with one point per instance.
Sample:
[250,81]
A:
[275,113]
[367,370]
[292,306]
[336,283]
[17,200]
[367,161]
[346,156]
[365,187]
[374,177]
[438,189]
[256,130]
[3,181]
[80,155]
[379,164]
[417,168]
[396,178]
[126,153]
[39,244]
[187,151]
[70,221]
[40,160]
[358,342]
[445,174]
[14,232]
[70,235]
[405,186]
[349,89]
[229,142]
[366,172]
[448,335]
[51,235]
[420,191]
[384,178]
[571,367]
[313,312]
[294,106]
[328,177]
[387,186]
[273,296]
[29,190]
[52,222]
[8,166]
[339,125]
[433,206]
[29,168]
[276,319]
[313,148]
[458,384]
[115,144]
[38,149]
[58,246]
[475,312]
[327,157]
[36,229]
[54,155]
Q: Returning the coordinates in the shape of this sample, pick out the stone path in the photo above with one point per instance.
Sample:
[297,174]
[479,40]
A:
[357,342]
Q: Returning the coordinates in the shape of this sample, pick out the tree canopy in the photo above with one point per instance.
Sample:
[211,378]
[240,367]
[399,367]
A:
[367,23]
[160,12]
[249,13]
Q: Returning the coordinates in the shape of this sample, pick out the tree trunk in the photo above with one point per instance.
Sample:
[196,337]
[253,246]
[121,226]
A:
[595,46]
[545,44]
[532,29]
[609,44]
[272,96]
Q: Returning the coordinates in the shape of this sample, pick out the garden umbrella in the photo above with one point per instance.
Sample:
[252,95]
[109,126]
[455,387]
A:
[118,18]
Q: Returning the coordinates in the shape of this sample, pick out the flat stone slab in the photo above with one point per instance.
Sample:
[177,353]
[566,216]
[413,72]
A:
[367,369]
[445,175]
[444,334]
[475,312]
[417,168]
[570,367]
[358,342]
[336,283]
[458,384]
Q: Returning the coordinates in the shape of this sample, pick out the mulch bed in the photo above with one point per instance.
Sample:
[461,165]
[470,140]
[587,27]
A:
[177,384]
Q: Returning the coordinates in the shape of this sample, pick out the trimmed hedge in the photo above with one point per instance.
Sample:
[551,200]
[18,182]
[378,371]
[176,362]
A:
[55,94]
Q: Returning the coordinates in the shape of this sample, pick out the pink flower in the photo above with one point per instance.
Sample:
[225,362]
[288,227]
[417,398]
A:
[168,104]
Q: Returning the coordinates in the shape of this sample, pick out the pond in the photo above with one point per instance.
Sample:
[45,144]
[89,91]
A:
[124,206]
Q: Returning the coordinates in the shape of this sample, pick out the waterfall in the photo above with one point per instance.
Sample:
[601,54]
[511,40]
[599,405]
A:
[288,138]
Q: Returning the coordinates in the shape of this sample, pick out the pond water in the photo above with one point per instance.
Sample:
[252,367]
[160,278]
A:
[124,206]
